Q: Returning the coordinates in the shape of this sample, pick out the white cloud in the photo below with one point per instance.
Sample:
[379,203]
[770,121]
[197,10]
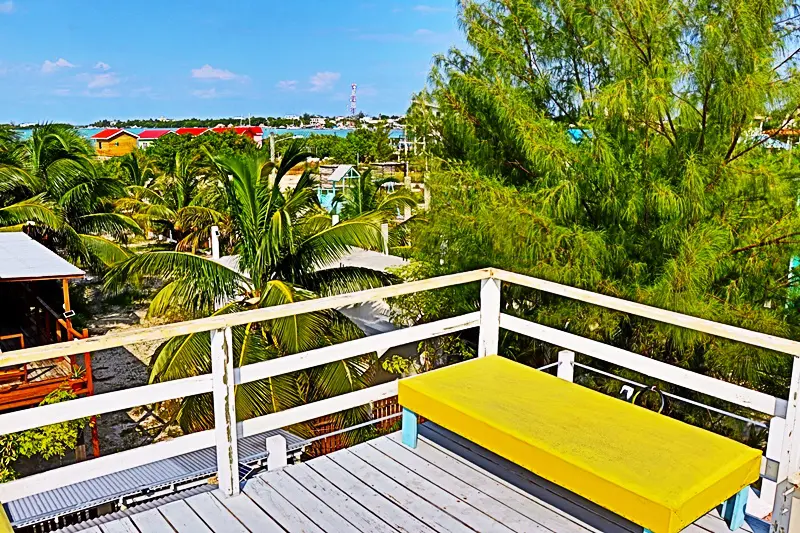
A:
[61,92]
[102,66]
[287,85]
[207,72]
[422,8]
[51,66]
[104,93]
[6,7]
[422,32]
[324,81]
[103,80]
[205,93]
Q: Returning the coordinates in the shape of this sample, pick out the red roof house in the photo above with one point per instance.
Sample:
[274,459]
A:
[191,131]
[147,137]
[153,134]
[250,131]
[114,142]
[109,133]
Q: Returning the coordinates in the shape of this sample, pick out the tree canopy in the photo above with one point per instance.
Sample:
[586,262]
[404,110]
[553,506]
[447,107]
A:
[614,145]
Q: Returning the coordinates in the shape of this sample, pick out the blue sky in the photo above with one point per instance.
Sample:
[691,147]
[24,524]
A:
[78,61]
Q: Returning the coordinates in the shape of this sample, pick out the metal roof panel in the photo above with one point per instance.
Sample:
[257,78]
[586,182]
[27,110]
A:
[22,258]
[159,474]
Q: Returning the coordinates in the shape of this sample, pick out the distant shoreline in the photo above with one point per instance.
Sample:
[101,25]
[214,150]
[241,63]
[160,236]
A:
[305,132]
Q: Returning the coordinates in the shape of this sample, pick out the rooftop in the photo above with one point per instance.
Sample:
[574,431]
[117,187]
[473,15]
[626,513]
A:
[24,259]
[191,131]
[110,133]
[153,134]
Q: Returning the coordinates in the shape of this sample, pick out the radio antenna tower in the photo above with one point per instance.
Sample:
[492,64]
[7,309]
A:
[353,100]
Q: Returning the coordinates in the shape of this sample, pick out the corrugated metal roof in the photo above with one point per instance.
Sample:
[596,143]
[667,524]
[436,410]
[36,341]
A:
[339,172]
[136,509]
[149,477]
[107,133]
[153,134]
[191,131]
[22,258]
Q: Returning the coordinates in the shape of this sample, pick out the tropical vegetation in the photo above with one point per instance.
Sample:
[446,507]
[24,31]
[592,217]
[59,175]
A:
[51,183]
[614,145]
[279,241]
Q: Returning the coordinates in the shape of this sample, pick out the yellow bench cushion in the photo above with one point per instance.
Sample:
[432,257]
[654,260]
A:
[659,473]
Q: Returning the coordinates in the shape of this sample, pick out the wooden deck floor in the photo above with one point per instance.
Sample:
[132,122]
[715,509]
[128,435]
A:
[445,485]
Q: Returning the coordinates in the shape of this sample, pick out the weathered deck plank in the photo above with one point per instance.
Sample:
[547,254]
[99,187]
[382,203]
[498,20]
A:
[444,485]
[346,506]
[214,514]
[317,510]
[119,526]
[432,515]
[459,509]
[251,515]
[152,522]
[182,518]
[461,489]
[279,508]
[397,517]
[511,496]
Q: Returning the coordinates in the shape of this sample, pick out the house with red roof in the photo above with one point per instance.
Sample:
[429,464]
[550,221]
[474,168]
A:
[255,133]
[114,142]
[191,131]
[148,137]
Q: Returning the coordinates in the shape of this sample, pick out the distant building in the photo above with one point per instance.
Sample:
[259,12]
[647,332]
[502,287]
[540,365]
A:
[148,137]
[191,131]
[114,142]
[317,122]
[334,178]
[255,133]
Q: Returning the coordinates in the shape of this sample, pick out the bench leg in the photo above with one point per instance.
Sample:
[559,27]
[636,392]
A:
[733,509]
[410,432]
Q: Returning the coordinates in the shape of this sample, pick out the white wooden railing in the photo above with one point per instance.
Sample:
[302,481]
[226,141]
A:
[780,467]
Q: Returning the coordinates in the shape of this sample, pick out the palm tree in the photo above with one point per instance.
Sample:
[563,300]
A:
[369,194]
[282,241]
[51,179]
[170,202]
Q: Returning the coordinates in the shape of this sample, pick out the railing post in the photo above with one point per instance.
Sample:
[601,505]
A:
[489,337]
[766,497]
[385,238]
[789,460]
[566,365]
[225,411]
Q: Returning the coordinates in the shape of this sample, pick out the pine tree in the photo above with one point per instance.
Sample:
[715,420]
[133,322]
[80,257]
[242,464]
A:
[614,145]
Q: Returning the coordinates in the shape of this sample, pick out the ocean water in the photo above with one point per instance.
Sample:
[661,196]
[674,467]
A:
[303,132]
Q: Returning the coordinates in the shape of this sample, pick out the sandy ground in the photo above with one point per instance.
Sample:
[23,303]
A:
[122,368]
[117,369]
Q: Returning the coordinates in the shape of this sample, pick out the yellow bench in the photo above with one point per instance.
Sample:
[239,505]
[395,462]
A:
[655,471]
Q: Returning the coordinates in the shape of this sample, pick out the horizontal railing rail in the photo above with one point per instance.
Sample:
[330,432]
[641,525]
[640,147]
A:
[783,447]
[742,396]
[219,322]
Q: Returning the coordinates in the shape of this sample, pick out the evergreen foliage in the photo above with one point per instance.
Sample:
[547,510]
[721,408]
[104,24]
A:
[614,145]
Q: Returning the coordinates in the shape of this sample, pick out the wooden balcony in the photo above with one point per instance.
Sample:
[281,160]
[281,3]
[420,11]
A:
[447,484]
